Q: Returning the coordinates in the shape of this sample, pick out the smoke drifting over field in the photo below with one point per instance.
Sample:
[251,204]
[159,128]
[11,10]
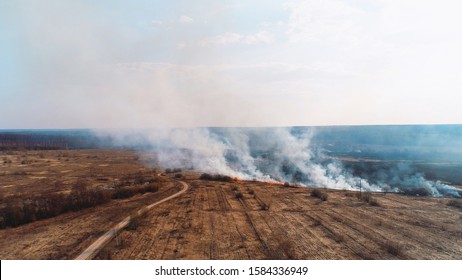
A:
[275,155]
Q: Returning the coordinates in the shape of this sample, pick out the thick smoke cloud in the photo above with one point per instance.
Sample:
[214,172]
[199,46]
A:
[274,155]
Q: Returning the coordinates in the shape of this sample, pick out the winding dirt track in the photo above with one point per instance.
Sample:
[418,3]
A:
[96,247]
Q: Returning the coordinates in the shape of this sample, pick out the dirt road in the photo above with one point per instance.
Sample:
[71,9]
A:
[94,248]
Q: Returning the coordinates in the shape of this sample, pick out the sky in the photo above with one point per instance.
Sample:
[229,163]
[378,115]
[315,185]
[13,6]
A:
[139,64]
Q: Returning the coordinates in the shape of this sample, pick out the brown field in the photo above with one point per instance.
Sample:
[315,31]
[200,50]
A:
[66,235]
[220,220]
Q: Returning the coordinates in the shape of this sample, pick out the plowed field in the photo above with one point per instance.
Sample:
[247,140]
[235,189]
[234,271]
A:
[248,220]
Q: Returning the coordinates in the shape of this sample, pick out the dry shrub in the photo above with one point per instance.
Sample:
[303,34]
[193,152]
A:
[319,194]
[283,247]
[126,192]
[417,191]
[365,196]
[239,195]
[17,212]
[394,248]
[264,206]
[337,237]
[134,223]
[173,170]
[349,193]
[368,198]
[316,223]
[455,203]
[374,202]
[286,247]
[105,253]
[219,178]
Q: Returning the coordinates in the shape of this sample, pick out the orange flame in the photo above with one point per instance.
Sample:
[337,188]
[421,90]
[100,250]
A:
[258,181]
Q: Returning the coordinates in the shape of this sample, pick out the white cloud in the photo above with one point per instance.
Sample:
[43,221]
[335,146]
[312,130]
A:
[338,62]
[231,38]
[404,55]
[259,37]
[185,19]
[228,38]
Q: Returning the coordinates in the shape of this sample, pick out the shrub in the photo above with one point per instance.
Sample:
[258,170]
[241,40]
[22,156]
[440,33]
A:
[126,192]
[283,248]
[319,194]
[455,203]
[374,202]
[16,212]
[264,206]
[173,170]
[288,249]
[205,176]
[417,191]
[368,198]
[239,195]
[220,178]
[135,221]
[393,248]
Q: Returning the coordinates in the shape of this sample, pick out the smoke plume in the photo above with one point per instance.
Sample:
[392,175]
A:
[273,155]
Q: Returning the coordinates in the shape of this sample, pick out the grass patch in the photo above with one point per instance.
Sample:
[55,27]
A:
[394,248]
[319,194]
[455,203]
[126,192]
[219,178]
[239,195]
[368,198]
[264,206]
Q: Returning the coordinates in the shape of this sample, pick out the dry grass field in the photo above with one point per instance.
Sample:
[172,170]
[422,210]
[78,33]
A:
[218,220]
[245,220]
[46,173]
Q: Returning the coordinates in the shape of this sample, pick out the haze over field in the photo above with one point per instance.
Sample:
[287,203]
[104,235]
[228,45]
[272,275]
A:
[288,154]
[114,64]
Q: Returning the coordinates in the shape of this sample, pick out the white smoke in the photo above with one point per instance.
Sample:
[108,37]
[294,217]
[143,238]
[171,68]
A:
[273,155]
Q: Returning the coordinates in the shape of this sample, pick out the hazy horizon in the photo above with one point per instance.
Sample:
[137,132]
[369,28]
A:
[277,63]
[224,127]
